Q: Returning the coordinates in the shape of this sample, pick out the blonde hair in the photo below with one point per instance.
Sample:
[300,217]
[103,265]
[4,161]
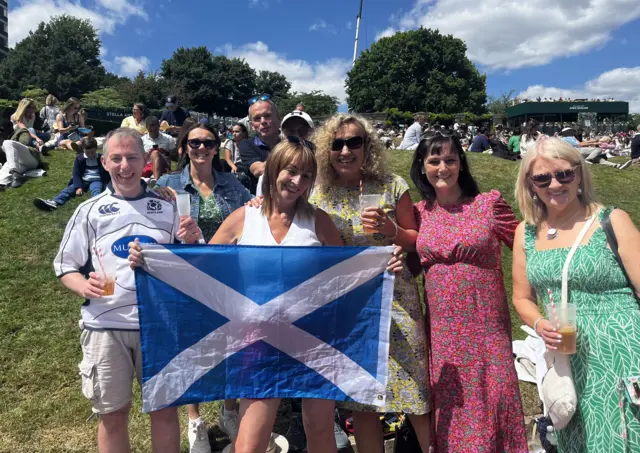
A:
[71,102]
[51,100]
[22,107]
[285,153]
[534,211]
[374,165]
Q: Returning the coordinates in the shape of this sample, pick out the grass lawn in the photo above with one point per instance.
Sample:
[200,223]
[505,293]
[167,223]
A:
[41,406]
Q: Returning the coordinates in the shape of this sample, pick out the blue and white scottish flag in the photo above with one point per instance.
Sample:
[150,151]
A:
[222,322]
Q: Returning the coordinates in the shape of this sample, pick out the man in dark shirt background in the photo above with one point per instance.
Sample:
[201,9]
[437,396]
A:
[174,115]
[635,147]
[480,142]
[265,121]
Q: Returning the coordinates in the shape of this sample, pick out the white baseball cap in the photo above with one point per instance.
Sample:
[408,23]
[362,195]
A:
[296,113]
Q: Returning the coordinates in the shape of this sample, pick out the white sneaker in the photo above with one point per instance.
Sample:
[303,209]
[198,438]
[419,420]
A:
[228,423]
[198,437]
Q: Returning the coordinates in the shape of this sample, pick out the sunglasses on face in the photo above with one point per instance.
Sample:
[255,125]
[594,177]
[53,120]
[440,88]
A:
[564,177]
[351,142]
[196,143]
[264,97]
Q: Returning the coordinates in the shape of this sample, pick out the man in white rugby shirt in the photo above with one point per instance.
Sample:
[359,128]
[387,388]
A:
[98,235]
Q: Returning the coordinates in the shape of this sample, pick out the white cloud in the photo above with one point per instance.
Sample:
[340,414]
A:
[327,76]
[509,35]
[386,33]
[322,25]
[130,66]
[318,25]
[28,14]
[258,3]
[621,84]
[349,25]
[103,51]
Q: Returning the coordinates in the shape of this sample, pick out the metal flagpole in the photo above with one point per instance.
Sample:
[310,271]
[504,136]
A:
[355,47]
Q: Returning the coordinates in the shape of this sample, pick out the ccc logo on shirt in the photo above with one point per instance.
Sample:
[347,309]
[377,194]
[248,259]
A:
[107,209]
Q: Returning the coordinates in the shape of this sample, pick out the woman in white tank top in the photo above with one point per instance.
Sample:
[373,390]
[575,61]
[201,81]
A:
[286,218]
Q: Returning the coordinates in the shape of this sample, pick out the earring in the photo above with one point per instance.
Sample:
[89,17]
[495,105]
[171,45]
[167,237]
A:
[579,191]
[422,171]
[535,197]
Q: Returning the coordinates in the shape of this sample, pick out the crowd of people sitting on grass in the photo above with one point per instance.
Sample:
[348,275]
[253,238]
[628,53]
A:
[512,144]
[452,370]
[559,99]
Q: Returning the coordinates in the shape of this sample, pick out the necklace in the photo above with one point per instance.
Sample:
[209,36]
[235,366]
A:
[552,233]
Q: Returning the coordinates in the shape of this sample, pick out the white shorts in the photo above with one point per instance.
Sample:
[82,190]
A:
[109,360]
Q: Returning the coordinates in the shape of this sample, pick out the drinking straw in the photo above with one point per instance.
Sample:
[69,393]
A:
[98,252]
[553,308]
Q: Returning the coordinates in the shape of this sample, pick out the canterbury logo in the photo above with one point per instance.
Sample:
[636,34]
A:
[108,208]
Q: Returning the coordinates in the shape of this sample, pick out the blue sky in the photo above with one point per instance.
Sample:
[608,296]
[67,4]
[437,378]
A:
[575,48]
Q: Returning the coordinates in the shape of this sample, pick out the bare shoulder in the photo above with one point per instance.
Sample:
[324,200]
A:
[231,229]
[620,216]
[519,235]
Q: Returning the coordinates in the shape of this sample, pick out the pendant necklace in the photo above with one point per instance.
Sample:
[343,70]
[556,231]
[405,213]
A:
[552,233]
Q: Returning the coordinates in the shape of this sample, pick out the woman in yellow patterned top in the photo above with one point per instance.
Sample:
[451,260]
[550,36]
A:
[351,164]
[138,119]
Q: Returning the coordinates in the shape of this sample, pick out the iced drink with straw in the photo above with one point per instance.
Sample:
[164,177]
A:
[108,278]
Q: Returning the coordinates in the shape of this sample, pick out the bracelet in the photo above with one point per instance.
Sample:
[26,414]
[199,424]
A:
[535,325]
[393,238]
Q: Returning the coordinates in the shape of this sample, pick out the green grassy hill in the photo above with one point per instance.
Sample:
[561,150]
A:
[41,405]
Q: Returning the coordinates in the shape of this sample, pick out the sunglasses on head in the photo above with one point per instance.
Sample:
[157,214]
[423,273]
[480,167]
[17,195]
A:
[543,180]
[306,143]
[351,142]
[196,143]
[264,97]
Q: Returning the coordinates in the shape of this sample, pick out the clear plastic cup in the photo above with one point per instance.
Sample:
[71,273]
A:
[108,278]
[369,201]
[563,318]
[183,202]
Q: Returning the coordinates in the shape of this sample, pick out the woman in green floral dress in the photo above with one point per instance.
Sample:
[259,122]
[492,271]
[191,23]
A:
[556,197]
[350,164]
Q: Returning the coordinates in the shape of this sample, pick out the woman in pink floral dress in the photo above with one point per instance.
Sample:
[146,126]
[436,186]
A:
[477,405]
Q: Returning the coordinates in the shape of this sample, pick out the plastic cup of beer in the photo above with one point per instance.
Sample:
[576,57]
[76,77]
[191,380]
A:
[563,318]
[183,201]
[108,278]
[369,201]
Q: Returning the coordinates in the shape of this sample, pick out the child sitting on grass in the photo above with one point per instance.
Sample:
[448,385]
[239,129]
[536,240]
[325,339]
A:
[88,176]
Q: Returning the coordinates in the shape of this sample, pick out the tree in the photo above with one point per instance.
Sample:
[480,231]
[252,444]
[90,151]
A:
[104,97]
[61,56]
[418,70]
[207,83]
[272,83]
[234,83]
[145,88]
[497,105]
[189,75]
[316,103]
[37,94]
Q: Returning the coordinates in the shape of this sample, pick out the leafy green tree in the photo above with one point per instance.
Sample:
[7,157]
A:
[418,70]
[316,103]
[61,56]
[234,84]
[189,75]
[104,97]
[497,105]
[207,83]
[145,88]
[273,83]
[37,94]
[395,117]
